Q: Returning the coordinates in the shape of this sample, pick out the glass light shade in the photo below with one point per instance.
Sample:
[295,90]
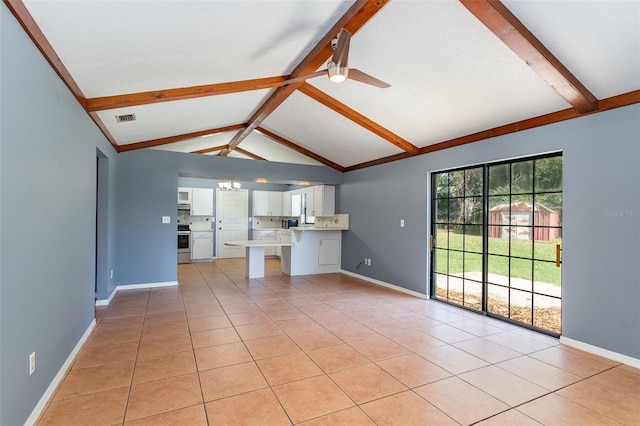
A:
[337,74]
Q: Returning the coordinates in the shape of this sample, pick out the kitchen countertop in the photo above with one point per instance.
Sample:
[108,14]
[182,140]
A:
[258,243]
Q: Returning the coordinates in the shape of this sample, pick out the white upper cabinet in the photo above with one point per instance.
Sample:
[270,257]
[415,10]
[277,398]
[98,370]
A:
[286,204]
[260,203]
[323,201]
[267,203]
[275,203]
[296,203]
[202,202]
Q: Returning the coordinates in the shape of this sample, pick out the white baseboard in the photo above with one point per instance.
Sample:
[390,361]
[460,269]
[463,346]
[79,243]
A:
[37,411]
[105,302]
[385,284]
[605,353]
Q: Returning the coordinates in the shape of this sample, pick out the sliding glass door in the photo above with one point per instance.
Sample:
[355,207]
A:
[497,237]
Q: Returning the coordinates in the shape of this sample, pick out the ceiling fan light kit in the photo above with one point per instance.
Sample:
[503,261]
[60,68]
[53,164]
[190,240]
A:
[337,73]
[338,66]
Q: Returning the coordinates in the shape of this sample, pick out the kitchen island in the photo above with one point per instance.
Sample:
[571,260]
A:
[311,251]
[255,254]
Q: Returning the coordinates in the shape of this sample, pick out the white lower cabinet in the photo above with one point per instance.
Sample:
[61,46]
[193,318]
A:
[329,252]
[201,245]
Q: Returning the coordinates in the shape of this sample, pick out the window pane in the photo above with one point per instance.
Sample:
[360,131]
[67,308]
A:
[441,237]
[456,238]
[473,294]
[521,273]
[441,286]
[547,313]
[440,261]
[456,210]
[473,210]
[473,266]
[520,306]
[498,272]
[498,245]
[549,207]
[499,211]
[549,174]
[497,300]
[473,182]
[522,177]
[548,277]
[442,210]
[522,248]
[456,184]
[499,179]
[545,250]
[455,289]
[473,238]
[442,185]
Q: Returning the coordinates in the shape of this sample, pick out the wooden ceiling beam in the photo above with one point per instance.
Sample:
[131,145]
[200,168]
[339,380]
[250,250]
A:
[619,101]
[208,150]
[504,24]
[27,22]
[354,19]
[167,95]
[178,138]
[249,154]
[353,115]
[298,148]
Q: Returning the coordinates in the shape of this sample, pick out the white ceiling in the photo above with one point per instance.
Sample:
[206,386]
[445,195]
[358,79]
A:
[450,76]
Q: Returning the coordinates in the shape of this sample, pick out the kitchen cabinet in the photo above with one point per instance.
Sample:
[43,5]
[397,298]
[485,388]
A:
[286,204]
[184,195]
[267,203]
[329,252]
[202,245]
[266,235]
[202,202]
[321,200]
[296,203]
[324,200]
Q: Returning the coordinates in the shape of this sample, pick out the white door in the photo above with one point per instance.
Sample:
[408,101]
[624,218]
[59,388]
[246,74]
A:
[232,216]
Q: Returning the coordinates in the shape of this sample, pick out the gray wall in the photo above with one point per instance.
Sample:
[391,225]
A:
[601,252]
[147,185]
[48,180]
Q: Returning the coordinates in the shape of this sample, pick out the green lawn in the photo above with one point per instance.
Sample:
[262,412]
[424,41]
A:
[541,251]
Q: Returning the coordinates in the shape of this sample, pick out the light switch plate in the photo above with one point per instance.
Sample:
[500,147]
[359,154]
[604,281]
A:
[166,219]
[401,223]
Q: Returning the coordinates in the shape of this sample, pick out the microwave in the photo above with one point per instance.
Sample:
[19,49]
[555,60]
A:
[289,223]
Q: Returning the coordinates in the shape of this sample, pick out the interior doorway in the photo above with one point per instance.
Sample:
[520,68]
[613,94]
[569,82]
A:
[497,239]
[102,214]
[232,221]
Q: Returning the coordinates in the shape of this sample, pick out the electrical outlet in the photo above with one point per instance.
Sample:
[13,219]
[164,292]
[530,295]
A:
[368,262]
[32,363]
[166,219]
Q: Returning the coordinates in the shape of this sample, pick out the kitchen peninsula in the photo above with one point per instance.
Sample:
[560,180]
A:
[312,250]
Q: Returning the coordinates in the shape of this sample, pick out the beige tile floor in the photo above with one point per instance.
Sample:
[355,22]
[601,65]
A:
[324,350]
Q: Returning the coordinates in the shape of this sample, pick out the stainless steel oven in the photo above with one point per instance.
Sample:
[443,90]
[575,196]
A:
[184,245]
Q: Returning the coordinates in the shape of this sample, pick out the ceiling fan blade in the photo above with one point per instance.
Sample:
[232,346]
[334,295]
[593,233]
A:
[362,77]
[341,54]
[304,77]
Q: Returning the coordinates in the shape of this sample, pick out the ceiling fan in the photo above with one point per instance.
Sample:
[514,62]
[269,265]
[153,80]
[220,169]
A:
[338,67]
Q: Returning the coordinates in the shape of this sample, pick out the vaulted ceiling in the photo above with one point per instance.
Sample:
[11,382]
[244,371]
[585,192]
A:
[206,77]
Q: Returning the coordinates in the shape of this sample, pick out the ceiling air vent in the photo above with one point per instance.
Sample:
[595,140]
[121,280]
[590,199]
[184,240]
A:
[125,117]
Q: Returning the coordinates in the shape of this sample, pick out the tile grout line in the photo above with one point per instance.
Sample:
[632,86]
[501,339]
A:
[135,360]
